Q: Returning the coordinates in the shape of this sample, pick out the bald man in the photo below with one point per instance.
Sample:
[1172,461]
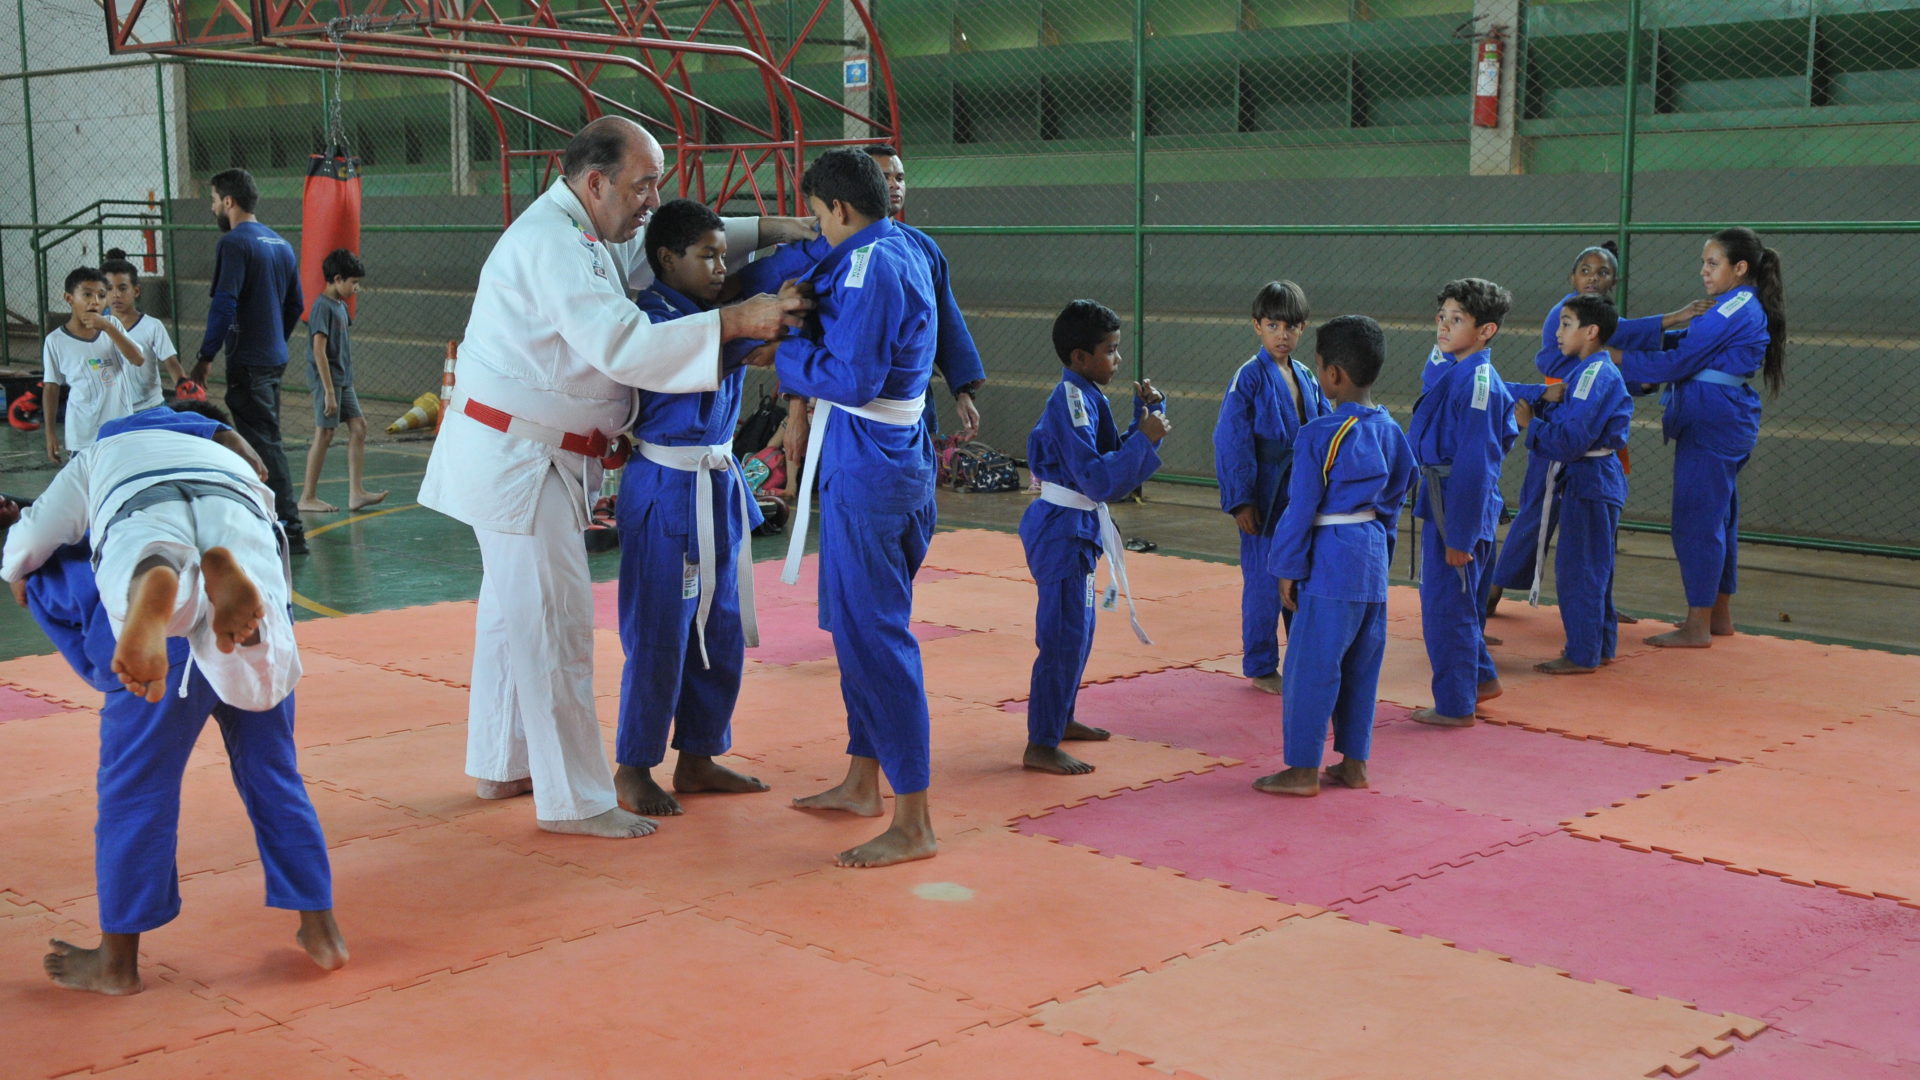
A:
[553,350]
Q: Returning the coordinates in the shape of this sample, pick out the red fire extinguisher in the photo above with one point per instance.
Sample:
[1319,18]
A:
[1486,81]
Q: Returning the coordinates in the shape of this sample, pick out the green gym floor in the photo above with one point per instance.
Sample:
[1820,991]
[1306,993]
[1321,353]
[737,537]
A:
[399,554]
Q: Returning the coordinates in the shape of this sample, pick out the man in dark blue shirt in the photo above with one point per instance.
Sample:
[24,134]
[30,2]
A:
[256,305]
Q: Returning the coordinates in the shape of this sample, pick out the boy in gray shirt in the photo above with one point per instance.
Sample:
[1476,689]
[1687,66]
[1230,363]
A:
[330,373]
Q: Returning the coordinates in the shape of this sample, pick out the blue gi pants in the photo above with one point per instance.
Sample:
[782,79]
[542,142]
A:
[1063,631]
[1706,520]
[1450,621]
[867,562]
[1333,673]
[1583,579]
[1261,613]
[143,754]
[664,682]
[1514,567]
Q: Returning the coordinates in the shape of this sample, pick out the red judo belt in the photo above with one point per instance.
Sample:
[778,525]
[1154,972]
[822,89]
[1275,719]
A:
[612,451]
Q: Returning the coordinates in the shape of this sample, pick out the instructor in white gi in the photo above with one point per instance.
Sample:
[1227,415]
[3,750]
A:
[551,349]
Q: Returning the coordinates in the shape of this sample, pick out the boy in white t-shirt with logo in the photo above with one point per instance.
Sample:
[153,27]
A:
[90,358]
[123,300]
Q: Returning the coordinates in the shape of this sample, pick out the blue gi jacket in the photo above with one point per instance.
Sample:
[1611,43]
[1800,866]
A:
[878,324]
[162,418]
[1076,445]
[1253,439]
[1354,460]
[1731,338]
[1595,416]
[704,419]
[1463,421]
[1641,333]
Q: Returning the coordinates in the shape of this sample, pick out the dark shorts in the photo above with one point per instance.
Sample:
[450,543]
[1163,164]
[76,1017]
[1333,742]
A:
[349,406]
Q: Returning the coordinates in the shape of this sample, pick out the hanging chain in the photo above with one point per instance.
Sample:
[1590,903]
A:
[336,109]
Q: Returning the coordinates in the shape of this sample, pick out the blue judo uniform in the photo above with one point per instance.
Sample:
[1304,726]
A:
[1075,445]
[1513,569]
[1713,419]
[1252,447]
[1583,435]
[1461,429]
[878,324]
[143,753]
[1354,461]
[666,681]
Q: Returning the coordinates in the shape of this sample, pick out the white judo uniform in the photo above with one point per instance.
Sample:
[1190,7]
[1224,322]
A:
[552,350]
[172,494]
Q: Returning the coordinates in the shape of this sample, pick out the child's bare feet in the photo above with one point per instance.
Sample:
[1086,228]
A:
[317,505]
[902,842]
[1290,782]
[237,607]
[140,656]
[639,792]
[615,824]
[360,500]
[1720,623]
[1624,619]
[1266,684]
[1489,690]
[1428,716]
[1052,759]
[503,789]
[848,796]
[1491,640]
[1079,732]
[1560,665]
[1350,772]
[113,968]
[693,774]
[320,936]
[1493,599]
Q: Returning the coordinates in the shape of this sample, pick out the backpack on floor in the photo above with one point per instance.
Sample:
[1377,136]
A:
[756,430]
[975,466]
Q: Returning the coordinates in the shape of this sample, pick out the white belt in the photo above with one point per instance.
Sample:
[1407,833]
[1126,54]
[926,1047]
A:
[703,462]
[1356,518]
[896,411]
[1546,512]
[1110,545]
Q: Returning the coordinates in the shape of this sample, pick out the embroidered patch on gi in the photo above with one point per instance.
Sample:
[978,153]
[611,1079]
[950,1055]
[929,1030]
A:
[1077,407]
[1482,387]
[857,264]
[1436,356]
[1734,303]
[1581,389]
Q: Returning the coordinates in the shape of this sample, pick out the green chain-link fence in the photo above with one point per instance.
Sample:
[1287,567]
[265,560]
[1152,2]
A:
[1167,159]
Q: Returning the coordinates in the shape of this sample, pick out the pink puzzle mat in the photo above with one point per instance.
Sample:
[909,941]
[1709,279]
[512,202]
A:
[1691,864]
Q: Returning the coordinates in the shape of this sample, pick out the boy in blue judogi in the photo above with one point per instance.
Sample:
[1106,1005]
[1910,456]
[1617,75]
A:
[1082,462]
[685,560]
[1271,397]
[1331,549]
[1461,429]
[147,732]
[1579,427]
[868,365]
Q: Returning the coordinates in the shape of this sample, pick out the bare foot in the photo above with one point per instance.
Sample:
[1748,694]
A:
[1560,665]
[1079,732]
[1428,716]
[320,936]
[1350,772]
[503,789]
[1052,759]
[1624,619]
[1491,640]
[365,499]
[845,796]
[317,506]
[637,791]
[1682,638]
[693,774]
[1266,684]
[1488,690]
[140,656]
[1303,782]
[237,607]
[93,970]
[1720,623]
[900,843]
[616,824]
[1493,600]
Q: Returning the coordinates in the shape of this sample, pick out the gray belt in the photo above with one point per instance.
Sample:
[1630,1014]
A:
[187,490]
[1430,477]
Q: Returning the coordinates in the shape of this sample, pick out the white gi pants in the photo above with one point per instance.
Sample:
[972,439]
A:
[253,678]
[530,709]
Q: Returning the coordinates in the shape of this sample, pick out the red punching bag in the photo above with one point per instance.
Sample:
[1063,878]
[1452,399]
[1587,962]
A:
[329,217]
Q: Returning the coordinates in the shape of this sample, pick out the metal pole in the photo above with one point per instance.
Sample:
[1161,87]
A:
[1139,188]
[166,201]
[1629,120]
[33,180]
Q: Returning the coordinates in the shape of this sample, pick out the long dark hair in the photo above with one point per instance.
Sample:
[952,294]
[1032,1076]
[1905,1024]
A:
[1763,268]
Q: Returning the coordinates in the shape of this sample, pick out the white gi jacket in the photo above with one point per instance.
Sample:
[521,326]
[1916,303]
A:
[556,339]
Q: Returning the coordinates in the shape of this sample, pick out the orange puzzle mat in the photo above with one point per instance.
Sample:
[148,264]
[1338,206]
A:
[1689,864]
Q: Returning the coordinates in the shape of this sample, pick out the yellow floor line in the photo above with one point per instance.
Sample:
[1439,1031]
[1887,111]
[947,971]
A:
[315,606]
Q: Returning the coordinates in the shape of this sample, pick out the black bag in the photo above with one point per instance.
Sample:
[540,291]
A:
[757,429]
[975,466]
